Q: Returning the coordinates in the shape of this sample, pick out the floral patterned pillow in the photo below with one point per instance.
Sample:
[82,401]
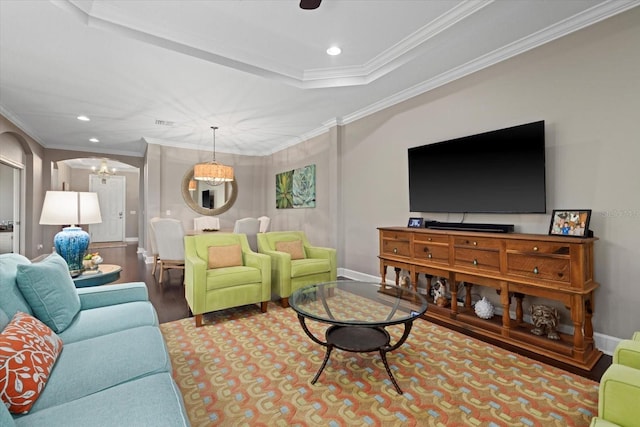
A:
[28,350]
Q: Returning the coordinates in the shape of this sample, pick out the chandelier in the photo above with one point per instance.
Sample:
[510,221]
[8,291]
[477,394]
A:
[103,171]
[213,173]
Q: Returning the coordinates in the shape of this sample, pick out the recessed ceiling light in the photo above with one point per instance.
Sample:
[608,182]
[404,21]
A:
[83,118]
[334,50]
[94,140]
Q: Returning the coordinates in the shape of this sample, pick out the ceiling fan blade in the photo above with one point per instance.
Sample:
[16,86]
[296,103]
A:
[309,4]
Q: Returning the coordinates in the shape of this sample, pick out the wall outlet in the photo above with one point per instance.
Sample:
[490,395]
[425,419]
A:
[40,246]
[168,213]
[132,212]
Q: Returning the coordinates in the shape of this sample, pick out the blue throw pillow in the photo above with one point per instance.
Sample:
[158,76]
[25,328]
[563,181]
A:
[50,291]
[4,320]
[11,299]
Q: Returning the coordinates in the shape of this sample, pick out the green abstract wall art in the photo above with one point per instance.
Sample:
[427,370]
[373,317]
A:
[296,188]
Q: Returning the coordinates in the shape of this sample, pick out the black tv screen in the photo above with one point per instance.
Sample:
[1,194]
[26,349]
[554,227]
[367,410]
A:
[501,171]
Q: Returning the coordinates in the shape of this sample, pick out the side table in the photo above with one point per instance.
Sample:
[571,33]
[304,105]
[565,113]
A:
[106,273]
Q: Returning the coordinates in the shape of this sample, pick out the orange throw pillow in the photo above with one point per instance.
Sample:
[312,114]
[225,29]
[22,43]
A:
[28,350]
[225,256]
[293,248]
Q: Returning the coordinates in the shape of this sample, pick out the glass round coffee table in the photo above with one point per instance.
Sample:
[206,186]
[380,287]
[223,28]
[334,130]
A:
[358,313]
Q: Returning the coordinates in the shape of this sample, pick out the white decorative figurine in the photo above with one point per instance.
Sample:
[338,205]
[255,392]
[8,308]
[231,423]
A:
[484,309]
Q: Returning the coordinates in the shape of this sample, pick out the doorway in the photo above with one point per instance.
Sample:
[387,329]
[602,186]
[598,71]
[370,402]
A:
[10,194]
[111,196]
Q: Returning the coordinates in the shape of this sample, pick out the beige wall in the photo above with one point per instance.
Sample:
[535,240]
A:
[586,87]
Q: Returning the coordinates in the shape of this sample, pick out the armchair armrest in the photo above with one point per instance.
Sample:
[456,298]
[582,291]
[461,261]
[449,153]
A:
[619,395]
[105,295]
[195,281]
[627,353]
[326,253]
[259,261]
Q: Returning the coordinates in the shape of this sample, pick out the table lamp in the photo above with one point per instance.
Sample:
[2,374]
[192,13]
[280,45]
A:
[71,208]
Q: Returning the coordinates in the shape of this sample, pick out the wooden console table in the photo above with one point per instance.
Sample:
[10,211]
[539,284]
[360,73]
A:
[516,266]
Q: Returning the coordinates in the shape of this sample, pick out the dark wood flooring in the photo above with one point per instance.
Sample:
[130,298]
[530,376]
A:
[168,297]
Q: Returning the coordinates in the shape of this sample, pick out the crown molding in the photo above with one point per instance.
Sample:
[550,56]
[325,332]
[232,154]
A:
[579,21]
[13,118]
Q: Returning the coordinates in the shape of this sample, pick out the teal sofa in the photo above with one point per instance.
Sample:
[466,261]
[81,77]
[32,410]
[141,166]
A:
[114,368]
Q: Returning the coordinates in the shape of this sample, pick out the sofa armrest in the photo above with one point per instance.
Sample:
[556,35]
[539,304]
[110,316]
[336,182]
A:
[627,353]
[105,295]
[619,395]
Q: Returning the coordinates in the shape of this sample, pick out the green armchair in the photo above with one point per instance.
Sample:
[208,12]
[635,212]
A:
[222,272]
[619,392]
[295,263]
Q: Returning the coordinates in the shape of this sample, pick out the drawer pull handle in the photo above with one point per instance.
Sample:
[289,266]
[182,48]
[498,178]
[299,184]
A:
[535,270]
[395,250]
[429,239]
[535,248]
[475,262]
[430,256]
[475,243]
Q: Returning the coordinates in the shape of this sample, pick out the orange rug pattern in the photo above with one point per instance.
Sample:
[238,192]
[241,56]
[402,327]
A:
[246,368]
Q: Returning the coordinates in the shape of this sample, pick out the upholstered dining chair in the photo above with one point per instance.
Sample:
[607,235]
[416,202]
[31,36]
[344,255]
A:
[154,247]
[265,221]
[250,227]
[169,236]
[221,272]
[295,263]
[206,222]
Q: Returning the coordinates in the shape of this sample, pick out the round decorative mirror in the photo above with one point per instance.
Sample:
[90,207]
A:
[207,199]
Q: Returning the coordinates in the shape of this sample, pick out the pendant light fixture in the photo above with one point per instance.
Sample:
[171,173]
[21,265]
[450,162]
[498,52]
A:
[213,173]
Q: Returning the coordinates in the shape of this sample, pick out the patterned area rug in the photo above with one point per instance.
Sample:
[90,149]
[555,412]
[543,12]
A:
[246,368]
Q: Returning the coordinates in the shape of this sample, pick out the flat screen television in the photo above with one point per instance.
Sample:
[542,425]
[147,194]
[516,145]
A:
[501,171]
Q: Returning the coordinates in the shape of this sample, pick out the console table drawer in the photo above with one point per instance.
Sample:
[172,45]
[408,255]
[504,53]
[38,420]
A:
[542,268]
[431,238]
[480,243]
[396,235]
[396,248]
[431,252]
[476,258]
[538,247]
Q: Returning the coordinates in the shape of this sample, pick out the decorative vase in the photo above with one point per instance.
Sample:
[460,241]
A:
[71,244]
[484,309]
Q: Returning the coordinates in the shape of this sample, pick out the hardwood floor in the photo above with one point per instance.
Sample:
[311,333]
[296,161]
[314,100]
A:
[168,297]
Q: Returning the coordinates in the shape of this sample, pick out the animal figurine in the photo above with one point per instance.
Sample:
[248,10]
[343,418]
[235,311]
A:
[439,293]
[545,319]
[405,281]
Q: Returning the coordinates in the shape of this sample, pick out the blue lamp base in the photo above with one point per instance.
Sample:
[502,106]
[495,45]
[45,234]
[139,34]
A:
[72,244]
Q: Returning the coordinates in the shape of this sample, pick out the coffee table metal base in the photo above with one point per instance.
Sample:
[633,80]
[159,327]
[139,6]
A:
[358,339]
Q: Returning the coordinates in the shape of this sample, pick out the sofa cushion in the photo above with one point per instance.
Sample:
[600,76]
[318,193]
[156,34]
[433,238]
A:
[106,320]
[97,364]
[28,350]
[146,402]
[293,248]
[305,267]
[230,276]
[11,299]
[224,256]
[49,290]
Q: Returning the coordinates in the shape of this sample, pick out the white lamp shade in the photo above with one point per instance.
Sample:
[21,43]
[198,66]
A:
[70,207]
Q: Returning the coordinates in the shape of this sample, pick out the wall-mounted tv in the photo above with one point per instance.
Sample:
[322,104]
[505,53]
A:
[502,171]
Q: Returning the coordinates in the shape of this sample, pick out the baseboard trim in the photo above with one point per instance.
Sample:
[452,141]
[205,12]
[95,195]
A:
[605,343]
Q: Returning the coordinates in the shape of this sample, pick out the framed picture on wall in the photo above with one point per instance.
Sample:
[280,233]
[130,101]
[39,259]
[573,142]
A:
[570,222]
[415,222]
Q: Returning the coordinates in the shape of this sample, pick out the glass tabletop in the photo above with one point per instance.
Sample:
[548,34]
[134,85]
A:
[349,302]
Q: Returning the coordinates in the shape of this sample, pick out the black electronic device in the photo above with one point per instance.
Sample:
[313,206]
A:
[463,226]
[501,171]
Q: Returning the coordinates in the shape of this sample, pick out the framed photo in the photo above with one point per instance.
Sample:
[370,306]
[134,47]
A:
[415,222]
[570,222]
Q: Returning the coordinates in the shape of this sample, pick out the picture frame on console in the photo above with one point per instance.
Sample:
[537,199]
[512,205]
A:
[415,223]
[570,222]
